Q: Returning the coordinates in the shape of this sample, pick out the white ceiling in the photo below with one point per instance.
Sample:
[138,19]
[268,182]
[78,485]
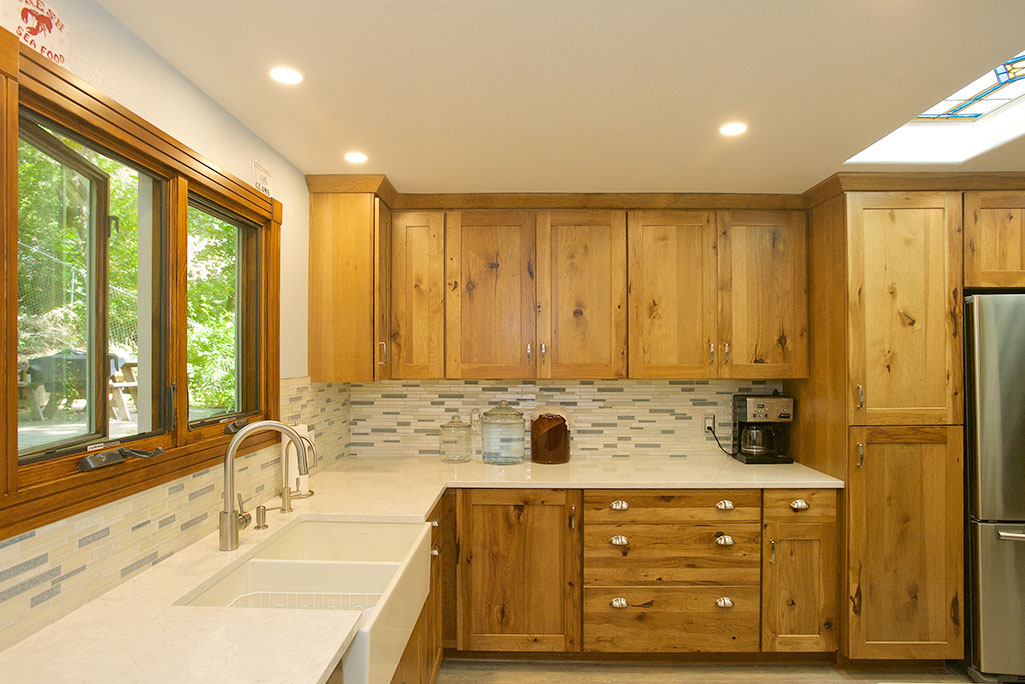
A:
[584,95]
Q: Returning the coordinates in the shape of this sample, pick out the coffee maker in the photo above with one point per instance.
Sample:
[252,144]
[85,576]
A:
[761,428]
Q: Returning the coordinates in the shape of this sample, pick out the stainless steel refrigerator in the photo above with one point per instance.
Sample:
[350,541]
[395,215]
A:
[995,459]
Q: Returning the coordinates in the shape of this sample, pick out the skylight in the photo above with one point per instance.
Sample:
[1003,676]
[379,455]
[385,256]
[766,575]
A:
[983,115]
[994,89]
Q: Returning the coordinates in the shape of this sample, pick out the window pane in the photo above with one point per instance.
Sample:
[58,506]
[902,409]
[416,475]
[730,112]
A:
[88,229]
[220,315]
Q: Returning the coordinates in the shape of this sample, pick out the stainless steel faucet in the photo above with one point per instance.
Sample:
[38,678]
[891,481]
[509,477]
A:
[231,521]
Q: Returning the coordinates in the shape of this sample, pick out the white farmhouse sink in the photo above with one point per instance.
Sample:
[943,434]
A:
[382,569]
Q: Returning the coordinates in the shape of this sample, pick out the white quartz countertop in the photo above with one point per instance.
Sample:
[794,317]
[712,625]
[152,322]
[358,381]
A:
[135,633]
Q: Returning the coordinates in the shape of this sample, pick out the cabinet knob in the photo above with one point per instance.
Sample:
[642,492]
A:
[436,551]
[724,602]
[619,505]
[435,522]
[725,505]
[799,505]
[619,602]
[724,539]
[619,540]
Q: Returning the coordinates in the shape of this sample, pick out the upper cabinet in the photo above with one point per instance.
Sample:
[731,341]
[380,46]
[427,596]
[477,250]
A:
[382,289]
[904,308]
[718,295]
[490,302]
[994,239]
[672,267]
[418,295]
[763,294]
[560,293]
[581,294]
[348,297]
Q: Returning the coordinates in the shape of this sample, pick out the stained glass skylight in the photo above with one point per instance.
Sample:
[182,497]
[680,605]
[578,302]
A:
[993,90]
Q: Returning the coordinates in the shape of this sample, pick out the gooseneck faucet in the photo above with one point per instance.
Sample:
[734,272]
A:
[231,521]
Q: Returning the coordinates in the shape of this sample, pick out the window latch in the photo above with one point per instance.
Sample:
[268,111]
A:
[233,427]
[109,458]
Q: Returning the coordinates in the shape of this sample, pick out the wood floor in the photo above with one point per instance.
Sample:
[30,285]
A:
[456,672]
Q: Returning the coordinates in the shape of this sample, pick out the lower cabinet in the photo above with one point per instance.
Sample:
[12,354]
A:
[672,571]
[905,543]
[644,571]
[518,573]
[799,570]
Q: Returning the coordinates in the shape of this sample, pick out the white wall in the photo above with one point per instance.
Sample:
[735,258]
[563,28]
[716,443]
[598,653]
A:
[115,61]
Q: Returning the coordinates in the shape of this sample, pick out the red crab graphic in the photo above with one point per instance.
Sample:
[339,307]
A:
[43,22]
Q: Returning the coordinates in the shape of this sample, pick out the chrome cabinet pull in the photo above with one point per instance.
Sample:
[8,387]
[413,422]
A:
[572,517]
[861,454]
[772,551]
[725,505]
[619,602]
[724,602]
[726,352]
[619,540]
[799,505]
[436,551]
[1010,536]
[861,396]
[529,350]
[711,353]
[724,539]
[543,352]
[383,348]
[619,505]
[435,522]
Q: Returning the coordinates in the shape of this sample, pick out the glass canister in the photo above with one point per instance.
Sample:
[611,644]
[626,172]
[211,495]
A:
[549,435]
[456,444]
[503,435]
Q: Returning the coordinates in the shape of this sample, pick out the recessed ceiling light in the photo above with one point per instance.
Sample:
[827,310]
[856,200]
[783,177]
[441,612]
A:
[286,75]
[355,157]
[733,128]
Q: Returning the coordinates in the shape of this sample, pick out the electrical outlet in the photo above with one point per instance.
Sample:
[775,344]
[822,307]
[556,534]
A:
[709,422]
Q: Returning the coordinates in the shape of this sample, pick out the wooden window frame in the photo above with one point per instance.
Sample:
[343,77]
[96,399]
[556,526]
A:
[39,493]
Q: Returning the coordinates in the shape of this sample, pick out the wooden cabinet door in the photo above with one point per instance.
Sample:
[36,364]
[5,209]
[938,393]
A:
[672,294]
[519,570]
[994,239]
[799,586]
[382,289]
[904,308]
[490,297]
[410,668]
[581,294]
[431,639]
[763,294]
[905,543]
[418,295]
[342,268]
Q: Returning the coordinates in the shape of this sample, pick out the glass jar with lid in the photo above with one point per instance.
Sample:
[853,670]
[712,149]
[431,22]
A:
[503,435]
[456,442]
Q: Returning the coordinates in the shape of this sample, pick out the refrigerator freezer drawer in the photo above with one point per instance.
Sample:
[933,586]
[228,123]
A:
[998,587]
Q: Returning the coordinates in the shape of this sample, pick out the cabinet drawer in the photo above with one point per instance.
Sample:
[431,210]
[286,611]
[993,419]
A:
[669,554]
[672,505]
[785,505]
[667,619]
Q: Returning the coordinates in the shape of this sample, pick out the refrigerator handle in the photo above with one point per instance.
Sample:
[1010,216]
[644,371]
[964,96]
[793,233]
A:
[1010,536]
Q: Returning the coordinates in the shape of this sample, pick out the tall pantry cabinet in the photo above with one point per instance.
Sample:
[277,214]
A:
[885,275]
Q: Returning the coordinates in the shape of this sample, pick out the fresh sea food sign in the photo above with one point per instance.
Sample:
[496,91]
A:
[39,25]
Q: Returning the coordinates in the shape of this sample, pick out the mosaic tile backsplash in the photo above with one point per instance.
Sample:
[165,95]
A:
[609,418]
[48,572]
